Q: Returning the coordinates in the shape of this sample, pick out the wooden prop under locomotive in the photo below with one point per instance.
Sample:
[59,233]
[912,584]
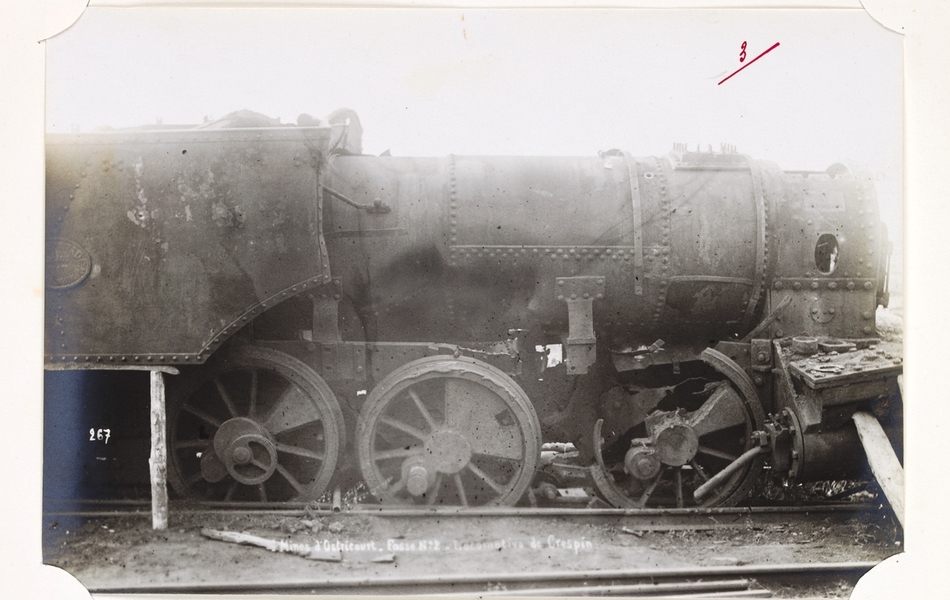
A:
[714,315]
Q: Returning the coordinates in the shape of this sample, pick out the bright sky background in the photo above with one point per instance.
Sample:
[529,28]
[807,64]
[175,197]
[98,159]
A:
[531,82]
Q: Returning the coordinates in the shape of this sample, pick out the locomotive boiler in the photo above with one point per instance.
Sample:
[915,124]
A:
[685,321]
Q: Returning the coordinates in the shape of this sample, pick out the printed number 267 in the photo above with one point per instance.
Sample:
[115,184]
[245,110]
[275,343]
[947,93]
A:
[100,434]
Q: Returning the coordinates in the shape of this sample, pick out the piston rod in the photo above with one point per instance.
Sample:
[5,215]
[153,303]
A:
[719,478]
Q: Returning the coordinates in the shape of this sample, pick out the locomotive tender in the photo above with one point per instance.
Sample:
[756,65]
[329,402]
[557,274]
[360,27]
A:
[686,321]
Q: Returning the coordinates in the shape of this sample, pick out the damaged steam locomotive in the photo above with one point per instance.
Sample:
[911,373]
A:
[686,322]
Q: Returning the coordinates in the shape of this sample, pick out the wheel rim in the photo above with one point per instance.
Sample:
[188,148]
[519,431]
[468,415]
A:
[448,431]
[254,425]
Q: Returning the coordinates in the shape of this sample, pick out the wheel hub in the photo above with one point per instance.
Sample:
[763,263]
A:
[642,462]
[241,455]
[445,451]
[418,475]
[677,444]
[448,451]
[417,482]
[674,439]
[245,447]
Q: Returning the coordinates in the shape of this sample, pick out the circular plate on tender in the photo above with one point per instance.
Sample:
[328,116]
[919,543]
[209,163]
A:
[67,264]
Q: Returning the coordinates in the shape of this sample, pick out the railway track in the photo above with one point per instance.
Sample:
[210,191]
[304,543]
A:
[622,521]
[694,582]
[685,517]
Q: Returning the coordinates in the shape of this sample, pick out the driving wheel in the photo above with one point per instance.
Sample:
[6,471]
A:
[253,424]
[688,439]
[446,430]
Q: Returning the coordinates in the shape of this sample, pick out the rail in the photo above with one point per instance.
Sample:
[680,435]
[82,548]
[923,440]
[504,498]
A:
[691,580]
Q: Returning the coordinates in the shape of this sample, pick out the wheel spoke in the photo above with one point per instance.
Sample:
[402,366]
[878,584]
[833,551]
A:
[419,435]
[262,492]
[435,490]
[187,444]
[717,453]
[459,402]
[305,452]
[396,453]
[649,491]
[202,415]
[292,410]
[484,418]
[723,409]
[231,489]
[396,488]
[484,477]
[299,426]
[461,489]
[194,479]
[491,455]
[290,478]
[422,409]
[699,469]
[259,464]
[449,416]
[225,397]
[252,403]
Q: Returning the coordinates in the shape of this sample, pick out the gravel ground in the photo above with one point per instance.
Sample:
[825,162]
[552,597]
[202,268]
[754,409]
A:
[126,552]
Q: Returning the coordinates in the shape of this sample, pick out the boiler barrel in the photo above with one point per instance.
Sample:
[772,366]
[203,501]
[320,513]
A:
[471,239]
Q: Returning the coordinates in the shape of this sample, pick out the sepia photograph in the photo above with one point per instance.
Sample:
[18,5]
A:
[473,301]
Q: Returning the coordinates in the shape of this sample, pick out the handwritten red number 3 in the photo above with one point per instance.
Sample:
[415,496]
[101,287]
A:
[742,53]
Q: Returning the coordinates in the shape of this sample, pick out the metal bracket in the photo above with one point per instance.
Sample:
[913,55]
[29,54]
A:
[581,343]
[761,355]
[636,206]
[326,311]
[343,361]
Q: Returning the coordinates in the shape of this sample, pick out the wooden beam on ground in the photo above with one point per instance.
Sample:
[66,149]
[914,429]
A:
[158,460]
[299,548]
[882,460]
